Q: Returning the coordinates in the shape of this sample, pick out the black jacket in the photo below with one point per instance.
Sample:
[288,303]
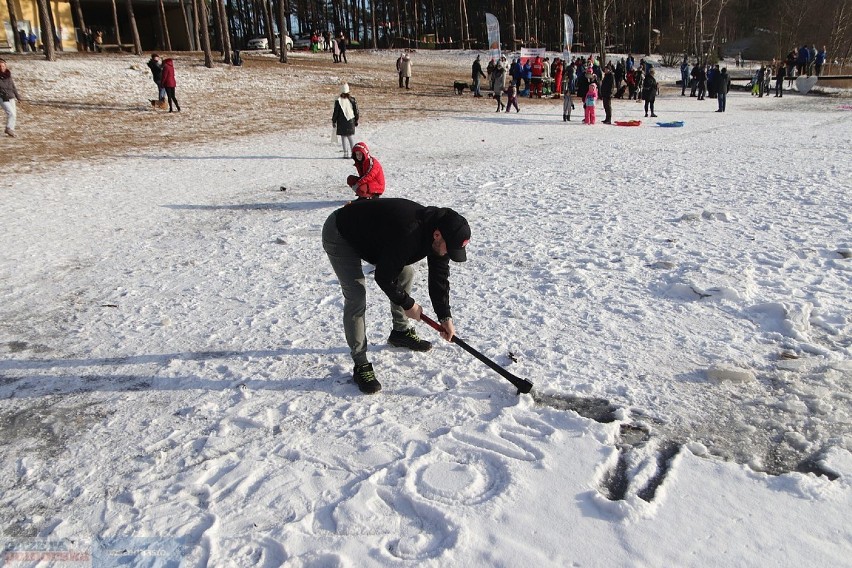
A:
[7,87]
[607,86]
[156,71]
[345,127]
[723,83]
[649,88]
[393,233]
[476,70]
[582,86]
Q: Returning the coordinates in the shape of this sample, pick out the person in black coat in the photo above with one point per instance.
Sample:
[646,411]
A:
[583,80]
[156,67]
[723,85]
[650,90]
[345,118]
[701,79]
[392,234]
[607,91]
[475,74]
[779,80]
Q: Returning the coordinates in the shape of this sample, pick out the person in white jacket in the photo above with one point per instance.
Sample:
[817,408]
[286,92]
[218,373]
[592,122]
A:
[405,69]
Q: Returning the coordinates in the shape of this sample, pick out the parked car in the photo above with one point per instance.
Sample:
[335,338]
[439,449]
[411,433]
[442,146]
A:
[261,42]
[302,42]
[258,43]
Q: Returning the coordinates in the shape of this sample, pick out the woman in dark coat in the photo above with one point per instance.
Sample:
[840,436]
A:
[345,119]
[650,90]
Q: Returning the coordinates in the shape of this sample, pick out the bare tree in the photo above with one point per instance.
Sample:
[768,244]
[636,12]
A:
[166,37]
[600,25]
[791,17]
[13,21]
[373,24]
[840,39]
[196,23]
[267,22]
[512,29]
[183,13]
[47,33]
[115,24]
[137,43]
[650,25]
[78,11]
[226,31]
[204,25]
[720,9]
[463,23]
[283,12]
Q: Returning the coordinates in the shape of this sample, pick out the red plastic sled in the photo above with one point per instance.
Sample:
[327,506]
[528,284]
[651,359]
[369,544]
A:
[628,122]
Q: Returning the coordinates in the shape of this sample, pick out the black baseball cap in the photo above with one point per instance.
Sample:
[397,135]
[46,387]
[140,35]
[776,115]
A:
[456,233]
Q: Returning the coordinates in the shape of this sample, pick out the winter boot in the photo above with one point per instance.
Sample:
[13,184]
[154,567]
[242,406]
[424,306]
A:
[365,378]
[409,339]
[10,132]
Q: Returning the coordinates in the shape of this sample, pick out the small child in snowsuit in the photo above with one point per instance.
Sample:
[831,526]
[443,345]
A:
[512,98]
[370,181]
[589,103]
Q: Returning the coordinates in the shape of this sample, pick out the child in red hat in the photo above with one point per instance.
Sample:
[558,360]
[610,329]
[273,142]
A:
[370,181]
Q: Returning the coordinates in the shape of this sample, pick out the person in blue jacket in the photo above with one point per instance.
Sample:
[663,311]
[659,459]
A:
[712,73]
[515,72]
[803,60]
[820,61]
[527,74]
[684,75]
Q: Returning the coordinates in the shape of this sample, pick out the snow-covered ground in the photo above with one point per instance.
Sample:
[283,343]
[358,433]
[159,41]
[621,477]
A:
[175,389]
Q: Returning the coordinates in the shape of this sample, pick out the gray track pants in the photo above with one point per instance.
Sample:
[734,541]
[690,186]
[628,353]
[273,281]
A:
[346,263]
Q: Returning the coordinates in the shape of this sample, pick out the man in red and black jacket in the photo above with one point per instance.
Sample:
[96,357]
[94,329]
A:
[370,181]
[537,74]
[392,234]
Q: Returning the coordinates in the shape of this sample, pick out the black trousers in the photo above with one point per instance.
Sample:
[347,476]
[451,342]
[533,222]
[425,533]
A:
[170,93]
[607,104]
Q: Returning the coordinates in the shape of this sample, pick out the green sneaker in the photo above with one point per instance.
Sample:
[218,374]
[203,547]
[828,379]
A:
[409,339]
[366,379]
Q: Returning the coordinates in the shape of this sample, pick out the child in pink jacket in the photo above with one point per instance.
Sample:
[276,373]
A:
[589,103]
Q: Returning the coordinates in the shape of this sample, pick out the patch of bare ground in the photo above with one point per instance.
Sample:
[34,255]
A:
[91,106]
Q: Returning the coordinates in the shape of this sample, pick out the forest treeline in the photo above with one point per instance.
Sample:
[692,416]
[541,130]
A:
[701,28]
[638,26]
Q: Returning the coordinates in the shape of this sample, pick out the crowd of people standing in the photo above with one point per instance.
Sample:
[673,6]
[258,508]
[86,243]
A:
[536,77]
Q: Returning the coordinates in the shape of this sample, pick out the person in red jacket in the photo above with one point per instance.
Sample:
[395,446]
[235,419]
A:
[557,78]
[370,181]
[537,74]
[169,83]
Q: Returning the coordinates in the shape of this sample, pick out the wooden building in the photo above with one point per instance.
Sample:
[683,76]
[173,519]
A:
[102,16]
